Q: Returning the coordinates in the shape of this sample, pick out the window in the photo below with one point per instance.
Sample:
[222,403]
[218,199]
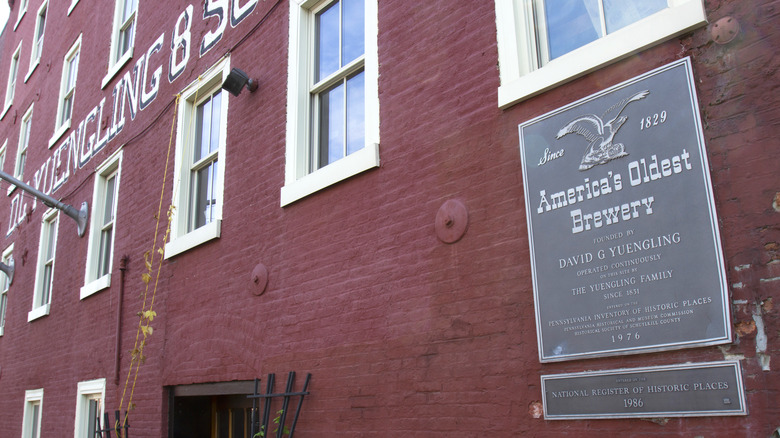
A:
[24,140]
[37,48]
[70,68]
[13,71]
[45,267]
[100,250]
[333,103]
[122,37]
[200,152]
[544,43]
[5,284]
[22,10]
[33,411]
[89,407]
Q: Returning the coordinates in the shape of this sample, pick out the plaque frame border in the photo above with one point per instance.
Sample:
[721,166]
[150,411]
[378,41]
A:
[727,336]
[735,363]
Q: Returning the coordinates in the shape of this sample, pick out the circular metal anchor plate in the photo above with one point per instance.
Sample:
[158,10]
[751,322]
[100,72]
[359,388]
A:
[725,30]
[452,219]
[259,279]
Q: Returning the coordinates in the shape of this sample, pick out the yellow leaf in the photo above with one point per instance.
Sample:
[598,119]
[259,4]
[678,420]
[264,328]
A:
[146,278]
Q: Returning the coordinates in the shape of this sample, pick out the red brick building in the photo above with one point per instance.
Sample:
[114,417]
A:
[360,216]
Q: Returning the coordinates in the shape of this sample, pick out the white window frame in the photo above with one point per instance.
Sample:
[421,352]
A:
[86,391]
[36,50]
[24,143]
[522,77]
[13,79]
[5,286]
[49,224]
[31,398]
[116,60]
[298,181]
[93,282]
[182,239]
[22,10]
[62,126]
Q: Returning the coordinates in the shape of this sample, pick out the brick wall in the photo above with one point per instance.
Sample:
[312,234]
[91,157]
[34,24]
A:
[404,335]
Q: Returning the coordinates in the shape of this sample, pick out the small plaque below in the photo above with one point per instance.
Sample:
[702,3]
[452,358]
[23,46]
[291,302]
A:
[690,390]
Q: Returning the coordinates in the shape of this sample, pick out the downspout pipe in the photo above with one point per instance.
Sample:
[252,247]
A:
[122,269]
[80,216]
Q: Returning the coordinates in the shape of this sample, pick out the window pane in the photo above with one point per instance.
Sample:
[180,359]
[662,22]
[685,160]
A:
[47,271]
[125,39]
[353,28]
[22,160]
[356,113]
[237,417]
[327,41]
[216,105]
[71,82]
[66,109]
[207,127]
[128,9]
[41,23]
[108,208]
[204,185]
[14,70]
[223,423]
[331,141]
[571,24]
[3,299]
[104,255]
[26,132]
[36,406]
[621,13]
[51,239]
[92,418]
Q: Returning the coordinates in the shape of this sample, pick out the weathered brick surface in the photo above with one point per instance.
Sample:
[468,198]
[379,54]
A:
[404,335]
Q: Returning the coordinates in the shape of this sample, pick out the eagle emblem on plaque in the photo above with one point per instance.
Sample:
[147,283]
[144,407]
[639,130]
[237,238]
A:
[600,134]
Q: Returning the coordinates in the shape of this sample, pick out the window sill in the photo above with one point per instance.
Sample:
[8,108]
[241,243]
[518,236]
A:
[5,110]
[72,6]
[114,69]
[38,312]
[59,133]
[351,165]
[659,27]
[193,238]
[32,69]
[95,286]
[19,19]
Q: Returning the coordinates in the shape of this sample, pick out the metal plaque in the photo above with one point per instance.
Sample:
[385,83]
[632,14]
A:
[706,389]
[625,250]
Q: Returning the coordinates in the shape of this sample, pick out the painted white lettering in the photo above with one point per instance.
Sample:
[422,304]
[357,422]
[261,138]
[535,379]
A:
[148,97]
[213,8]
[132,90]
[238,13]
[180,43]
